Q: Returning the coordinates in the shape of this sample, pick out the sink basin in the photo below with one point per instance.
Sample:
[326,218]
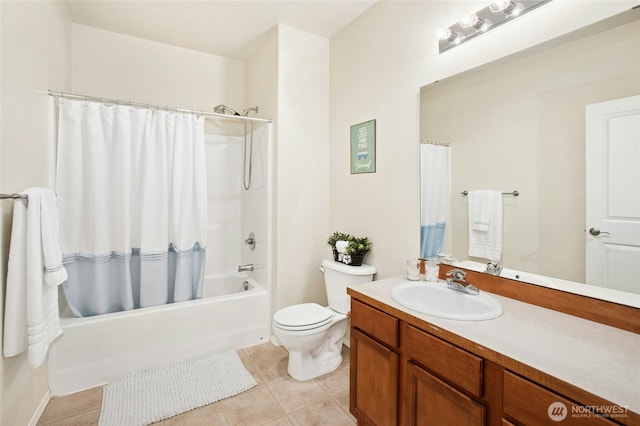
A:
[438,300]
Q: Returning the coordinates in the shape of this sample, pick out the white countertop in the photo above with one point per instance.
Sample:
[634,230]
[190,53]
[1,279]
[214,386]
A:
[597,358]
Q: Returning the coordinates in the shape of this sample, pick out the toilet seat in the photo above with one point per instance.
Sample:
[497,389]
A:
[305,316]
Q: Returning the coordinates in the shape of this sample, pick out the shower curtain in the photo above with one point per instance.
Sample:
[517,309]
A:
[435,197]
[131,186]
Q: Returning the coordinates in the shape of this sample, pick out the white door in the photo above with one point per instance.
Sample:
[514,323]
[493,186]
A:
[613,194]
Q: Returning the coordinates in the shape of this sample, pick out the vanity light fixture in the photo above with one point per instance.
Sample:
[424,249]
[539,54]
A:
[486,19]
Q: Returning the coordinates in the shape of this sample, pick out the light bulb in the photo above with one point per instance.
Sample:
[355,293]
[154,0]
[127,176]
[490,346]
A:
[469,21]
[499,5]
[443,34]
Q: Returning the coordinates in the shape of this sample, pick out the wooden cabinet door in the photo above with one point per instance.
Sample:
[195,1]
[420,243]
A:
[430,401]
[373,395]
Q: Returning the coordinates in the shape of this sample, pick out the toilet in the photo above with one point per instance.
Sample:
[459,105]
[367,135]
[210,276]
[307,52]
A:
[313,333]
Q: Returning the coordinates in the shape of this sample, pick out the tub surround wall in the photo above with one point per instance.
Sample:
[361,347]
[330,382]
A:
[262,90]
[35,56]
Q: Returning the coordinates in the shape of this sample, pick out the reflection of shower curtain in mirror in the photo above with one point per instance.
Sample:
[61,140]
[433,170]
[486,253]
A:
[434,197]
[132,194]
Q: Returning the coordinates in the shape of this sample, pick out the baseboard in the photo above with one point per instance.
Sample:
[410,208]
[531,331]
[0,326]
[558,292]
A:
[41,407]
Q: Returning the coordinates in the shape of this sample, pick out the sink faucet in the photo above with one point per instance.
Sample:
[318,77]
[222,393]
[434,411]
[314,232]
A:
[456,281]
[248,267]
[493,268]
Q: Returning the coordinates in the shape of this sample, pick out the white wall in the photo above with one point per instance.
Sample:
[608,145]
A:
[35,56]
[302,164]
[378,65]
[117,66]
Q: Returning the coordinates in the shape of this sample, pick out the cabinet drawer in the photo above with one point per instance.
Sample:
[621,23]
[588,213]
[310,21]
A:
[456,365]
[529,403]
[376,323]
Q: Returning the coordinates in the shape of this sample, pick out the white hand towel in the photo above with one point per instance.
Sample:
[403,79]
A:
[485,224]
[34,272]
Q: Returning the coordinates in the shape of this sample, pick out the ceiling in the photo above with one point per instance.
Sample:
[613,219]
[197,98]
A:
[220,27]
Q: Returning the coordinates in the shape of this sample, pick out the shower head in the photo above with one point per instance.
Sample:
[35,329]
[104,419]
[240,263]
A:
[248,110]
[223,109]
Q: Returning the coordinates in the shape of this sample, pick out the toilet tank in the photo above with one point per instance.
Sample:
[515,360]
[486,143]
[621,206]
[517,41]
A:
[337,276]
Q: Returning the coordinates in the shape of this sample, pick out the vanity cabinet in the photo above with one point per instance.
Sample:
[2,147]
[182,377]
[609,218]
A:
[447,387]
[374,365]
[429,400]
[405,371]
[529,403]
[441,381]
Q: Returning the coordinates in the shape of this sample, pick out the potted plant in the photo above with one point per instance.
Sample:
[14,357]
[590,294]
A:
[356,249]
[333,239]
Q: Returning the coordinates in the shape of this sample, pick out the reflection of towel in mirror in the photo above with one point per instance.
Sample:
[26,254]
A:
[34,272]
[485,224]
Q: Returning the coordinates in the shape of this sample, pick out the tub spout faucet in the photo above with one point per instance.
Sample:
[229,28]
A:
[456,281]
[247,267]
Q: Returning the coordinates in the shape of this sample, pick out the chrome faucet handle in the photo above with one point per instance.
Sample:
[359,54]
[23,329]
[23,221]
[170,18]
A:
[493,268]
[251,241]
[457,274]
[456,281]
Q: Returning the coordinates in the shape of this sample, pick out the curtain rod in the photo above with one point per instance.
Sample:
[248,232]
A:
[63,95]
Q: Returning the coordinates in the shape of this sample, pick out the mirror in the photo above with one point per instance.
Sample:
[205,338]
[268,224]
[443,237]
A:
[518,124]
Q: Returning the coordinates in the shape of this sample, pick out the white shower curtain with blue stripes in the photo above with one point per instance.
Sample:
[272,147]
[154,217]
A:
[435,197]
[131,185]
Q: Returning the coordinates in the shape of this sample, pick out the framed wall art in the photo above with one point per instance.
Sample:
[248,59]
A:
[363,147]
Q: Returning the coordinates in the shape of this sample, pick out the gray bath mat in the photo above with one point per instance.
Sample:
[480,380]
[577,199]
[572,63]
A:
[158,393]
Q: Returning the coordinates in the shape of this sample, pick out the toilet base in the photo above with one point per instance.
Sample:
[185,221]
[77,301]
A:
[325,358]
[303,366]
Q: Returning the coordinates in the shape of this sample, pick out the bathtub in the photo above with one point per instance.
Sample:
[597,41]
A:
[233,313]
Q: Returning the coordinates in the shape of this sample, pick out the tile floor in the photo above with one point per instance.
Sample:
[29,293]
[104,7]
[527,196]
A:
[277,400]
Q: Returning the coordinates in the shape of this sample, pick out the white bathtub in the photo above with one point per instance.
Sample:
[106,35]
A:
[95,350]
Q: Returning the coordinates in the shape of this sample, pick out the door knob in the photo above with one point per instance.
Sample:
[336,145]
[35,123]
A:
[595,232]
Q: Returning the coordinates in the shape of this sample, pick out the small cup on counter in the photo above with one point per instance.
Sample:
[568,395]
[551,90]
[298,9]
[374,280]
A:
[413,270]
[432,269]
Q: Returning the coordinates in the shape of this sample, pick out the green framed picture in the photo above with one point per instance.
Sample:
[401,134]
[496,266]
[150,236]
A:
[363,147]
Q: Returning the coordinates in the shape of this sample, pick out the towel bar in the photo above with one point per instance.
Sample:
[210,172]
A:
[514,193]
[12,196]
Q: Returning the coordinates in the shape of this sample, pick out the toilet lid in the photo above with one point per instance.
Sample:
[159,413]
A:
[303,316]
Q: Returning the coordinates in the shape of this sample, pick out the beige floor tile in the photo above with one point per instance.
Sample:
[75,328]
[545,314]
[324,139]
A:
[273,369]
[278,400]
[325,413]
[209,415]
[263,351]
[89,418]
[78,403]
[342,398]
[337,380]
[294,395]
[255,407]
[284,421]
